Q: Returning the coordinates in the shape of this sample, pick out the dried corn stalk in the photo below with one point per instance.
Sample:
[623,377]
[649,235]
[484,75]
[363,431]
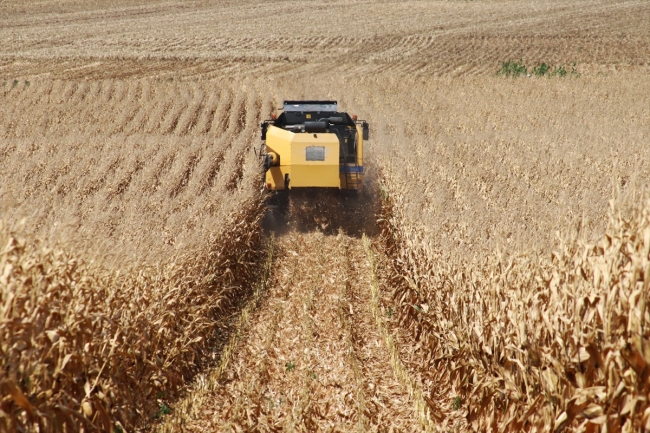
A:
[557,342]
[86,347]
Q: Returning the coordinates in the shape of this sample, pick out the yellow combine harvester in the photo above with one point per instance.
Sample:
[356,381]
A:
[313,145]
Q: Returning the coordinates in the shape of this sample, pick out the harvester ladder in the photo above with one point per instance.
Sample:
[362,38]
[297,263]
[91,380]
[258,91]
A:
[351,172]
[352,179]
[354,176]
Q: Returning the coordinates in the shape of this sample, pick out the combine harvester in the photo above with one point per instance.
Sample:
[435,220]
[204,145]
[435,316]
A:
[312,156]
[312,145]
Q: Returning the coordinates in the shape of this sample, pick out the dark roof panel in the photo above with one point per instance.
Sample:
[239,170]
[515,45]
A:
[314,106]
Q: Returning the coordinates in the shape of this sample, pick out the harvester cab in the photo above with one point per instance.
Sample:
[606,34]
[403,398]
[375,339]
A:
[313,145]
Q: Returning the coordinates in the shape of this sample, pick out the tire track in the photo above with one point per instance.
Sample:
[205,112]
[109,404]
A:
[104,108]
[34,107]
[233,114]
[210,175]
[186,165]
[161,104]
[248,122]
[19,94]
[422,407]
[226,168]
[71,107]
[220,120]
[154,172]
[353,339]
[377,377]
[93,106]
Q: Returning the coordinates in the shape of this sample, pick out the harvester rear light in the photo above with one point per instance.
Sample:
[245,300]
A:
[354,117]
[274,116]
[268,185]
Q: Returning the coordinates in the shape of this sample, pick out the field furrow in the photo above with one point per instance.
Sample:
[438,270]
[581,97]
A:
[313,358]
[190,115]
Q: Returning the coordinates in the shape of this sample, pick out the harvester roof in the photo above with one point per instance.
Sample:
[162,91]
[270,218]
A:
[315,106]
[312,116]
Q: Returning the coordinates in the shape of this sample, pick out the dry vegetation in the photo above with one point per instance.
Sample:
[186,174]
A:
[75,39]
[506,293]
[534,342]
[124,184]
[529,329]
[85,346]
[139,163]
[312,360]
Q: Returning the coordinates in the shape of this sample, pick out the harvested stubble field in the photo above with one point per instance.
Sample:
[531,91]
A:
[503,288]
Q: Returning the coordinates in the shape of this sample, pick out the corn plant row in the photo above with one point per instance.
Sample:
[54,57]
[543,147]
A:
[534,342]
[421,408]
[195,398]
[85,347]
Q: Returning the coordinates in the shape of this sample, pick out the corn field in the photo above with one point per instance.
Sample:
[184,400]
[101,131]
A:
[535,342]
[85,346]
[491,277]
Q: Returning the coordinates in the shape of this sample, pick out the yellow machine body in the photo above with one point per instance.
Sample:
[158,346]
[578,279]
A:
[304,159]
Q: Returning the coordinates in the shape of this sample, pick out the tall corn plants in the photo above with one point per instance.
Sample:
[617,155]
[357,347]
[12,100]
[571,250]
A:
[89,348]
[554,342]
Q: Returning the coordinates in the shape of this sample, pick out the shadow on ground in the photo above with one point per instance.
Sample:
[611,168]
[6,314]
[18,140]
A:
[326,210]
